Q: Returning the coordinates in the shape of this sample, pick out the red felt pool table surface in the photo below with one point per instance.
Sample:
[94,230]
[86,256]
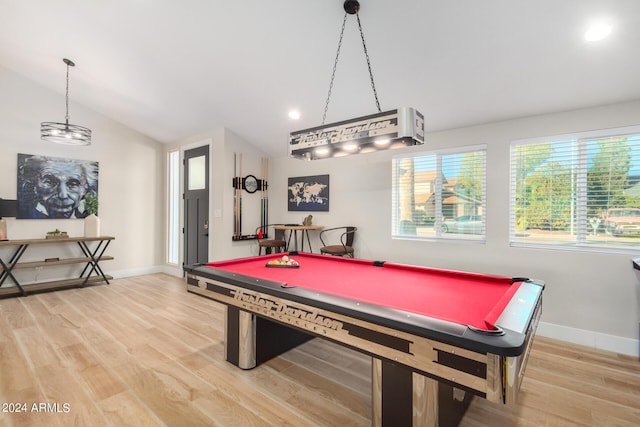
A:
[468,299]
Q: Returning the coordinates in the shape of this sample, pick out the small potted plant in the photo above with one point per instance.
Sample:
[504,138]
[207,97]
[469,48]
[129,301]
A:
[91,221]
[91,204]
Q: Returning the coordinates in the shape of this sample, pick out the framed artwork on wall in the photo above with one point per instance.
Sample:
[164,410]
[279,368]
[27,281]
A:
[308,193]
[53,187]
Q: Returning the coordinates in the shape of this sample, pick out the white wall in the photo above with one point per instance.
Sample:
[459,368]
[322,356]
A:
[131,189]
[590,298]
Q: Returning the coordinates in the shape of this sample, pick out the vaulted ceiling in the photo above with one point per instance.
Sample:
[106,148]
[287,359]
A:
[173,69]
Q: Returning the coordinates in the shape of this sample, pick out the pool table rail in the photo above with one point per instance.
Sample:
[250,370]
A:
[510,343]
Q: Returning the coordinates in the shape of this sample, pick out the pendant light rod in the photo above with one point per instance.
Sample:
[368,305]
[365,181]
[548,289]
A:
[69,64]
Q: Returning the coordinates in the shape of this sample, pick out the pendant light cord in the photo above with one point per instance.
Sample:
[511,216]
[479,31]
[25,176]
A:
[335,66]
[67,95]
[366,54]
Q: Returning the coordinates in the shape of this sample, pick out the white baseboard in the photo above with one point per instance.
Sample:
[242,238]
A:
[136,271]
[591,339]
[173,271]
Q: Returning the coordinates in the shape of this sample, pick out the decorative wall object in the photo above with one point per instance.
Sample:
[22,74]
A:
[53,188]
[309,193]
[250,184]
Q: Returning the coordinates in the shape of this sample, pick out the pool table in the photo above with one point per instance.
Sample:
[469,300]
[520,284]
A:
[436,337]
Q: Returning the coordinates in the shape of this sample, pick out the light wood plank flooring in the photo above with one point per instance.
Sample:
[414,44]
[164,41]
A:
[144,352]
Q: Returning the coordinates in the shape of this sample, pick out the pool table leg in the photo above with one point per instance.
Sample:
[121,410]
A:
[401,396]
[240,339]
[251,340]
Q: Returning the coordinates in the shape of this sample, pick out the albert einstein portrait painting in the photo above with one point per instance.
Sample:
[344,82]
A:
[54,188]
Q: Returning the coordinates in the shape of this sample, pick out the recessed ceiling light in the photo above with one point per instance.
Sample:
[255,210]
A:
[294,114]
[597,32]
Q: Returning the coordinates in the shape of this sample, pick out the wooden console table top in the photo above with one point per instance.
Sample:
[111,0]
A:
[62,240]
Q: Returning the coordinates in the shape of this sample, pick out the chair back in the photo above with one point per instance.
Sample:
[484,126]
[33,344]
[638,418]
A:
[349,236]
[342,248]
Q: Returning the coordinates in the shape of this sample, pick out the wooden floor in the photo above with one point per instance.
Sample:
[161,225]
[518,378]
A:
[143,351]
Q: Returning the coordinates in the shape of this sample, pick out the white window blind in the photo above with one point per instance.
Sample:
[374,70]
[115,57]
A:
[578,190]
[440,195]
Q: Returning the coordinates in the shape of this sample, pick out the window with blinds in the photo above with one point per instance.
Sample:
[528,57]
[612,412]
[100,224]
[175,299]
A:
[440,195]
[578,190]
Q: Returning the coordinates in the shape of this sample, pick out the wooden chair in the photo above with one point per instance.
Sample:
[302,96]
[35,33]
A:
[345,248]
[277,241]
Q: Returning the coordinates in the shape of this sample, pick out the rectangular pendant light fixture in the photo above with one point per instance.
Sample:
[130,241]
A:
[392,129]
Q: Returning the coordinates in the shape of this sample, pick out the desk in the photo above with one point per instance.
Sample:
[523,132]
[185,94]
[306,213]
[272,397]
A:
[91,258]
[294,229]
[437,337]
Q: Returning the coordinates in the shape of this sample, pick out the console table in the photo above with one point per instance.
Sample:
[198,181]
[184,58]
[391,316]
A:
[91,257]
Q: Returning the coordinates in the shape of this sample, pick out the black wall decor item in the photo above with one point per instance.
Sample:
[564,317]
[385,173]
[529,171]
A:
[309,193]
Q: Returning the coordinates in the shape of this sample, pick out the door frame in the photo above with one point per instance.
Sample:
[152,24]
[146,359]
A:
[202,228]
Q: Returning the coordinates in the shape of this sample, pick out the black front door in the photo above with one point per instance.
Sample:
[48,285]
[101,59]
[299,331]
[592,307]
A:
[196,205]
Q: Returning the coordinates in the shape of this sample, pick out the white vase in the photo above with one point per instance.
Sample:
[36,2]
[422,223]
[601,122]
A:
[91,226]
[3,229]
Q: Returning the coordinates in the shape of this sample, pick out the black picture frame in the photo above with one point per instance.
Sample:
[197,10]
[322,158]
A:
[250,184]
[308,193]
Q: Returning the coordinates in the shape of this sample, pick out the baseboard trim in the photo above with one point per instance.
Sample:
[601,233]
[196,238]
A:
[168,269]
[137,271]
[591,339]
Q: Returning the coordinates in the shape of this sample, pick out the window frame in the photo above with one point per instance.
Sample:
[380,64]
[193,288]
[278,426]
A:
[438,234]
[580,242]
